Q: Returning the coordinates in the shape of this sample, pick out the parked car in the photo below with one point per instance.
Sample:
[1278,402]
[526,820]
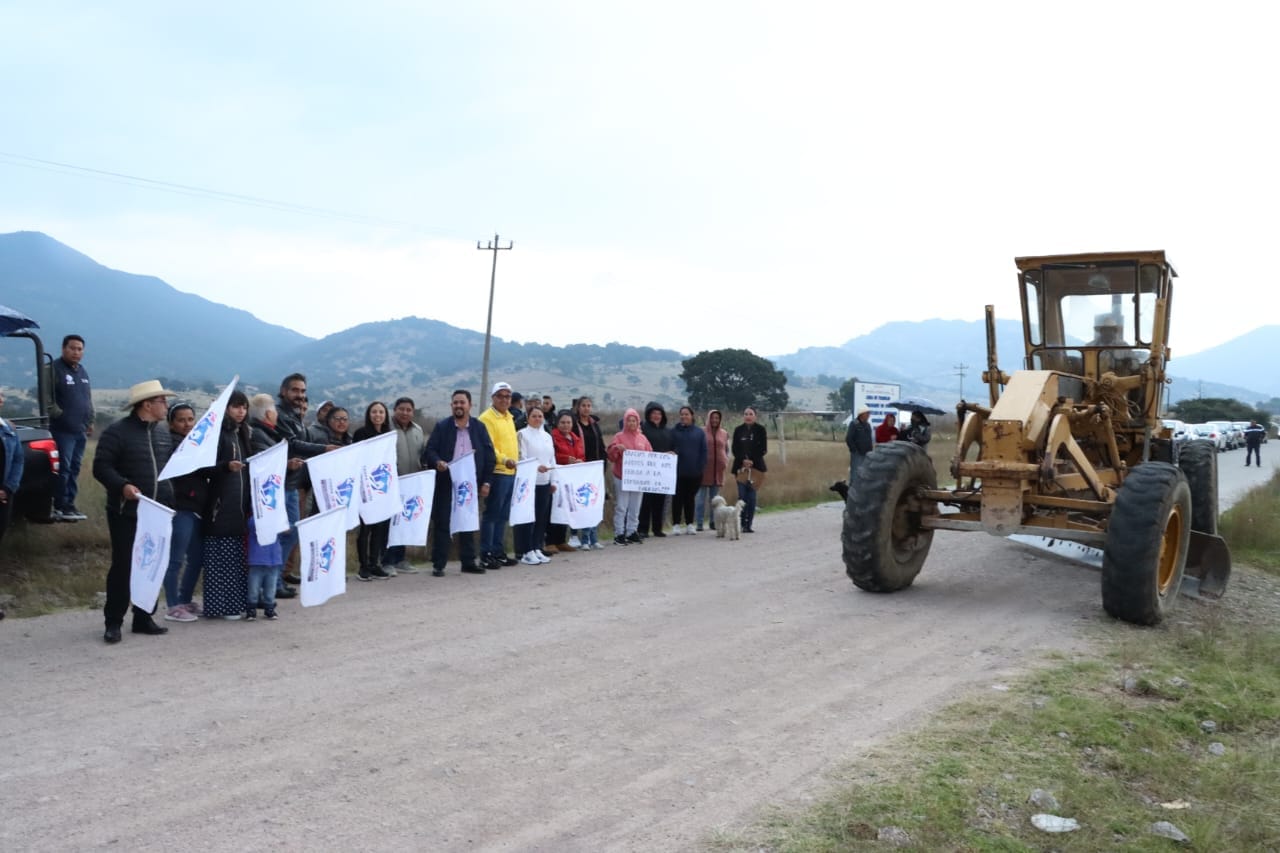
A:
[1180,429]
[1234,437]
[1212,433]
[40,451]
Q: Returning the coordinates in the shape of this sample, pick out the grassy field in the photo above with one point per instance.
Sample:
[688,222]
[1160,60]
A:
[1176,724]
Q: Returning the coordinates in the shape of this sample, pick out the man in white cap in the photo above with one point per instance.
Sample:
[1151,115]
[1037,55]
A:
[502,432]
[858,439]
[130,455]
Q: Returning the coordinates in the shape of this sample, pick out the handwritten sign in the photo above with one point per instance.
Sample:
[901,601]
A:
[643,471]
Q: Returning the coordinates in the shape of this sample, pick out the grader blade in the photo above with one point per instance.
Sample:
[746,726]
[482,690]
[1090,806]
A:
[1208,566]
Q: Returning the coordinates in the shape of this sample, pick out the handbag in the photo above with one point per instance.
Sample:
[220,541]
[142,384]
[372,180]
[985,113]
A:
[752,476]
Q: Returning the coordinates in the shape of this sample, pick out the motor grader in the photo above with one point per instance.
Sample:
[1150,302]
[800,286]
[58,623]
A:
[1070,447]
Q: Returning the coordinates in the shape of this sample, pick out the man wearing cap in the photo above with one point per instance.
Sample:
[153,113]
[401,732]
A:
[858,439]
[502,433]
[130,455]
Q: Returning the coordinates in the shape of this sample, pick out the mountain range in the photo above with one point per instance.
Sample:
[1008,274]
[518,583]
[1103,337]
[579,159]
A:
[138,326]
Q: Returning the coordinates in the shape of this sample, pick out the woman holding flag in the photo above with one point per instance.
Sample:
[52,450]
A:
[371,541]
[536,443]
[226,521]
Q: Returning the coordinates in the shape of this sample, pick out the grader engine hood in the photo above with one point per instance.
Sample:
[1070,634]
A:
[1011,436]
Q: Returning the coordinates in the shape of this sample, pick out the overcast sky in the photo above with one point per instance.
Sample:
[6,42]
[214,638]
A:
[675,174]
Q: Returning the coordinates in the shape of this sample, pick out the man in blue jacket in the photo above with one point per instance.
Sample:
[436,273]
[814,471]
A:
[71,423]
[450,439]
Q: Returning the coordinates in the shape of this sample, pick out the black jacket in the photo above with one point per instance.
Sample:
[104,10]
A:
[750,442]
[289,425]
[444,439]
[72,400]
[858,437]
[227,511]
[592,439]
[659,436]
[132,452]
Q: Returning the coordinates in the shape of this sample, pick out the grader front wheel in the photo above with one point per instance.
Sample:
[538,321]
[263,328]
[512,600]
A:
[883,541]
[1146,549]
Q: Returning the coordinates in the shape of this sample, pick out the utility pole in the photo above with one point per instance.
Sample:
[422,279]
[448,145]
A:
[960,369]
[488,324]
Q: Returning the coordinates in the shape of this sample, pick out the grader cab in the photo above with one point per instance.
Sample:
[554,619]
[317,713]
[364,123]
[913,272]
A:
[1070,447]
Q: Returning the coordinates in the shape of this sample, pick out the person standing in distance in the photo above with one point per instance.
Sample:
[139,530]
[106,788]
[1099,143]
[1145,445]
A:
[497,508]
[130,455]
[71,422]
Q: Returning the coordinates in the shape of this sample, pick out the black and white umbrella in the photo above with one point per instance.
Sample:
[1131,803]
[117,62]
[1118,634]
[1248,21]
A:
[915,404]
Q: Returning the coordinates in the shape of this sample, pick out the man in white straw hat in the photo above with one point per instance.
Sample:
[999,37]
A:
[858,438]
[130,455]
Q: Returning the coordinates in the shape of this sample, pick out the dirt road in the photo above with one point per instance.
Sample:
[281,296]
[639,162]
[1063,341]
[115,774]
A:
[631,699]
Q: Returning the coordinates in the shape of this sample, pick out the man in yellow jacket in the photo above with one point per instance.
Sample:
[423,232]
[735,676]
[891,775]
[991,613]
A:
[501,425]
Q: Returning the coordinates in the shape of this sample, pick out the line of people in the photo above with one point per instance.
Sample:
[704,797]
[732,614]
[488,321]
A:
[212,533]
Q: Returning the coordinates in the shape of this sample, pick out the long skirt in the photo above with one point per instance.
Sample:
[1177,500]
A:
[226,573]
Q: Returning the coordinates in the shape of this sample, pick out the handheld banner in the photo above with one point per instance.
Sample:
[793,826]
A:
[323,556]
[334,479]
[464,512]
[522,491]
[267,471]
[379,483]
[199,449]
[417,495]
[150,553]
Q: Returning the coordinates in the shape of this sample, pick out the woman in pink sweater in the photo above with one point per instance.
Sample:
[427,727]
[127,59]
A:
[626,512]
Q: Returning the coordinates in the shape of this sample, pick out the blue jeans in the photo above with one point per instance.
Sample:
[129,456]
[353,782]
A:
[262,586]
[70,455]
[186,542]
[497,509]
[289,538]
[706,494]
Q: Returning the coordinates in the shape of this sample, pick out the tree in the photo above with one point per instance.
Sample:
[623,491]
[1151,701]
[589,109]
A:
[841,399]
[1202,409]
[733,379]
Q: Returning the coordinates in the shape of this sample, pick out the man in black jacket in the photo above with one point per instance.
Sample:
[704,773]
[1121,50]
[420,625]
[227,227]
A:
[293,393]
[858,439]
[451,438]
[71,422]
[1253,437]
[130,455]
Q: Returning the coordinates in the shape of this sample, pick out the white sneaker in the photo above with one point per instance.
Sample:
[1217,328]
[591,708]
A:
[529,560]
[575,542]
[690,529]
[406,568]
[540,557]
[676,530]
[599,546]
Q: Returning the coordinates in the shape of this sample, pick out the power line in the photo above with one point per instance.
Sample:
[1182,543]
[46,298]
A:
[57,167]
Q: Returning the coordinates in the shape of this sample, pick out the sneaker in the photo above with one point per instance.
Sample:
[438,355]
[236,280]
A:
[362,575]
[689,531]
[575,542]
[621,540]
[73,514]
[659,534]
[677,530]
[194,608]
[405,568]
[504,560]
[378,573]
[286,592]
[270,613]
[542,558]
[699,529]
[596,546]
[293,578]
[250,616]
[472,569]
[180,613]
[529,560]
[390,571]
[232,617]
[635,539]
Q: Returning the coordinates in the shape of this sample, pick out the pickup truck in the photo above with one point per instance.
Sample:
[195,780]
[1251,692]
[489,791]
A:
[40,452]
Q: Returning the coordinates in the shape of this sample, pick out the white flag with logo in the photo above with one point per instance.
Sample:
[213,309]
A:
[335,478]
[322,562]
[522,491]
[199,449]
[379,483]
[267,472]
[417,495]
[464,512]
[579,496]
[150,553]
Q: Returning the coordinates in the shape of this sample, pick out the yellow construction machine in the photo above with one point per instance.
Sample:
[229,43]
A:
[1071,447]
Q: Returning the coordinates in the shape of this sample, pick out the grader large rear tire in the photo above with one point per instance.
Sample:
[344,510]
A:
[1146,549]
[1199,463]
[883,542]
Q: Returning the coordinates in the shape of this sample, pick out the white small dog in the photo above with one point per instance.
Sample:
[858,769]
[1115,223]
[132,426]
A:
[728,518]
